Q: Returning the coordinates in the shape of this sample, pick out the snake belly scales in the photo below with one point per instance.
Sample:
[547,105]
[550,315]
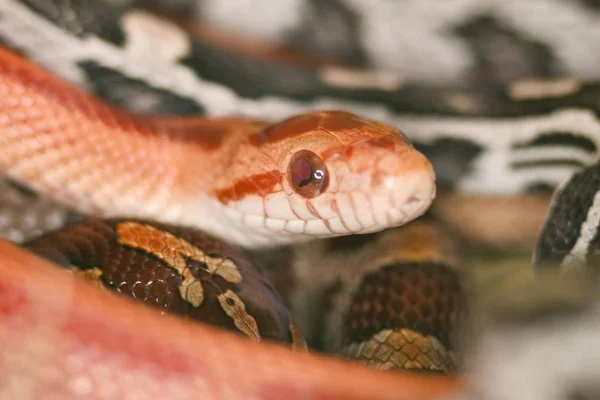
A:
[238,176]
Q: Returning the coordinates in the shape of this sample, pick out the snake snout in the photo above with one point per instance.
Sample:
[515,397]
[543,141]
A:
[384,187]
[405,184]
[420,192]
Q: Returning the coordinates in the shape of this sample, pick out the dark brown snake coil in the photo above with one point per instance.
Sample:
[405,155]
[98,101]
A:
[394,300]
[406,316]
[402,315]
[177,270]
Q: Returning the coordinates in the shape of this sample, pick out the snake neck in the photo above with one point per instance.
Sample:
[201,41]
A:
[60,141]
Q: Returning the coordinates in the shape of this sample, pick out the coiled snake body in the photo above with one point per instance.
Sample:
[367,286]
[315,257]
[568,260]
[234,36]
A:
[251,182]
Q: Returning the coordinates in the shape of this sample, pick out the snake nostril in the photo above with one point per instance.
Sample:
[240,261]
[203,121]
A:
[412,200]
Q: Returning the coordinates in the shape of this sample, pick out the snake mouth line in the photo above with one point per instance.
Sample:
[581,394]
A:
[381,213]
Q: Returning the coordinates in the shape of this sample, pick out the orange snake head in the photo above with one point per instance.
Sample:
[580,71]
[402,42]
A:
[325,174]
[251,183]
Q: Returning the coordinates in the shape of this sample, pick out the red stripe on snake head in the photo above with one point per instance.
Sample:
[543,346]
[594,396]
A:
[337,121]
[288,128]
[331,121]
[383,142]
[260,184]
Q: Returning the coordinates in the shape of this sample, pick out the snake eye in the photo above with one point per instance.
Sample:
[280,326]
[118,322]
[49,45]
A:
[307,174]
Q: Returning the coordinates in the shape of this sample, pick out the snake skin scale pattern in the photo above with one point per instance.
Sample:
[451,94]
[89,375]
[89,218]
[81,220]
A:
[403,349]
[176,270]
[405,305]
[404,314]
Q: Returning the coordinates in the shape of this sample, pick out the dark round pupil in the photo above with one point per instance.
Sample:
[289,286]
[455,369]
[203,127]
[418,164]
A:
[302,172]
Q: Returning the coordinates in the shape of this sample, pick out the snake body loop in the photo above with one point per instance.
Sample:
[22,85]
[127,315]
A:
[180,271]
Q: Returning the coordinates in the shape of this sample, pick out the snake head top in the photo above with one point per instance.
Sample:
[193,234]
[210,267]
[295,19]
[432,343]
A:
[323,174]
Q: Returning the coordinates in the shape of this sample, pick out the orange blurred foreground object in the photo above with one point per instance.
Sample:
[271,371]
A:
[61,337]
